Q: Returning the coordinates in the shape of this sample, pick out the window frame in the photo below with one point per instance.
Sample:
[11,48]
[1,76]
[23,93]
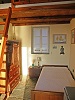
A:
[32,42]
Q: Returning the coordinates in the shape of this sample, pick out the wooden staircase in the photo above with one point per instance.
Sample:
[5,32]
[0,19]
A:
[5,15]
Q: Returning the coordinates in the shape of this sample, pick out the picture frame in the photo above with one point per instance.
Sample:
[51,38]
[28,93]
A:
[73,36]
[59,38]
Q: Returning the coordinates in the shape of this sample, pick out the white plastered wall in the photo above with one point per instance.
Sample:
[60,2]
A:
[72,50]
[23,33]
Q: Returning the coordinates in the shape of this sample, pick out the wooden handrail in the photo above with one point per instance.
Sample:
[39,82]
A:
[7,21]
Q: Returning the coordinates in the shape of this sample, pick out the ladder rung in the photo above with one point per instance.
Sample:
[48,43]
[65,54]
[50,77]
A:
[4,15]
[2,78]
[2,32]
[3,86]
[4,61]
[3,12]
[2,23]
[5,52]
[2,92]
[0,41]
[3,70]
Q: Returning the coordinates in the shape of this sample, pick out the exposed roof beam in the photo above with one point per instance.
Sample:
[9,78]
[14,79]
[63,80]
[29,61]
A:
[62,6]
[38,20]
[42,3]
[44,12]
[41,23]
[54,12]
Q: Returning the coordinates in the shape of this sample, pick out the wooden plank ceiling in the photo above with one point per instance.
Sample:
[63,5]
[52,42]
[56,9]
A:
[42,14]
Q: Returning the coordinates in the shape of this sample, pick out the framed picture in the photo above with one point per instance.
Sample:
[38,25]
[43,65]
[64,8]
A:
[73,36]
[59,38]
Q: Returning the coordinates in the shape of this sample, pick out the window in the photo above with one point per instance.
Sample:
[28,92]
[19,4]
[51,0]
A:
[40,40]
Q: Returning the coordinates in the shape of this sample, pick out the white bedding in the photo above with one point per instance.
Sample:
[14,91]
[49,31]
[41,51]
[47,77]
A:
[54,79]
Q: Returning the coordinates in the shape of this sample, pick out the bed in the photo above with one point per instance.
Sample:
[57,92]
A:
[51,83]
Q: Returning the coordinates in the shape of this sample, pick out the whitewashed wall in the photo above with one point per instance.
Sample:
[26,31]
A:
[72,50]
[23,33]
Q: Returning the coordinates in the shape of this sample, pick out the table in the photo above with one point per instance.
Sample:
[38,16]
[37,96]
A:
[35,71]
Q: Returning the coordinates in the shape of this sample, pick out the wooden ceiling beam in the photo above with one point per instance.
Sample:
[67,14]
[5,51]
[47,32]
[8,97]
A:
[20,2]
[44,12]
[38,20]
[44,17]
[61,6]
[41,23]
[47,20]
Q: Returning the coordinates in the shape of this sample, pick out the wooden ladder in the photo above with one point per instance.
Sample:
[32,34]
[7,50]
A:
[5,16]
[6,13]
